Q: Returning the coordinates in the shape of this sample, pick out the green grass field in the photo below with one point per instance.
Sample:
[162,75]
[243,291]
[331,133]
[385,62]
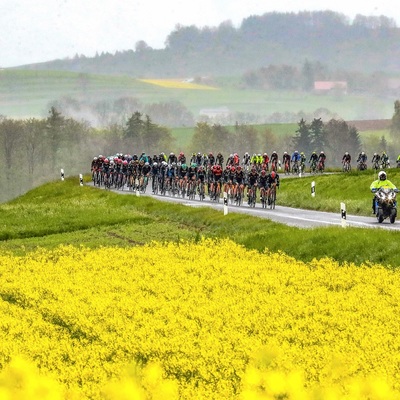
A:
[65,213]
[27,94]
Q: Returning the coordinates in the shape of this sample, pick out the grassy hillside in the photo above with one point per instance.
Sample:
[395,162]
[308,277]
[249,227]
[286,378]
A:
[65,213]
[25,93]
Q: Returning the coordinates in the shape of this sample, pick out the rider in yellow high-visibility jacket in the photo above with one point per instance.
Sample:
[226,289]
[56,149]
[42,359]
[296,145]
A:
[382,181]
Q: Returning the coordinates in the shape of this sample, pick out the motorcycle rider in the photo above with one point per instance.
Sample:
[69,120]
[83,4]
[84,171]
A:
[382,181]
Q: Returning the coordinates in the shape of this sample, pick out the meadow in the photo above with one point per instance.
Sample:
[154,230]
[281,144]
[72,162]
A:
[110,296]
[25,93]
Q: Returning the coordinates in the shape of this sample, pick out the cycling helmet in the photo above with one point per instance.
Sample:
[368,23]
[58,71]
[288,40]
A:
[106,161]
[239,168]
[146,163]
[184,166]
[233,169]
[164,163]
[193,165]
[382,175]
[322,152]
[94,158]
[263,172]
[155,164]
[273,174]
[125,162]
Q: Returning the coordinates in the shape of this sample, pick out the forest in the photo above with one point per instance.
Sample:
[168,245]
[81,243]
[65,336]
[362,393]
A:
[321,38]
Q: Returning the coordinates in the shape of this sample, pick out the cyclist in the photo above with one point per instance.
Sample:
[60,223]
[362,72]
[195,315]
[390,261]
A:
[274,161]
[170,173]
[346,159]
[376,160]
[263,183]
[265,161]
[239,178]
[252,182]
[286,161]
[201,178]
[211,159]
[384,160]
[296,156]
[216,176]
[220,159]
[272,179]
[313,159]
[362,160]
[172,158]
[296,161]
[321,159]
[246,159]
[182,158]
[303,160]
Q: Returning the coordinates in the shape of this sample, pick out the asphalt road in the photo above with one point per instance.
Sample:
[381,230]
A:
[285,215]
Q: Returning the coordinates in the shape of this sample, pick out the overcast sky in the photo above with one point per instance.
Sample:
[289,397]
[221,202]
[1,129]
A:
[42,30]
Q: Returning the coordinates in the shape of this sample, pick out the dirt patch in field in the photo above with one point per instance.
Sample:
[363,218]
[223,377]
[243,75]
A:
[371,125]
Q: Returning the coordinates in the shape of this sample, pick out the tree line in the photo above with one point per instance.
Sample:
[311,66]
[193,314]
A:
[33,151]
[273,38]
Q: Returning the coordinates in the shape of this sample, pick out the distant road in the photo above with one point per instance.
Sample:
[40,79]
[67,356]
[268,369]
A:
[284,215]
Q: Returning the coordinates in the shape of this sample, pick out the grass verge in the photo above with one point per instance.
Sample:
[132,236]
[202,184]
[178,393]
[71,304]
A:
[65,213]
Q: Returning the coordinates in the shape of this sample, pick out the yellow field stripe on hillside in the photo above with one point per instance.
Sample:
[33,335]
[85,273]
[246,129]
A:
[177,84]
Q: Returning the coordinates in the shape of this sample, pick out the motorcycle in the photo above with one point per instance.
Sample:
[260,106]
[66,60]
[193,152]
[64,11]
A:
[386,204]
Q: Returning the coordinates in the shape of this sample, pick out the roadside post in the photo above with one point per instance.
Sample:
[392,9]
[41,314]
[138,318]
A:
[80,179]
[313,189]
[225,203]
[62,174]
[343,214]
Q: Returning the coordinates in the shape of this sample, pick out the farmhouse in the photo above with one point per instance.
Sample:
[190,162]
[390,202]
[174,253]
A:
[214,112]
[322,87]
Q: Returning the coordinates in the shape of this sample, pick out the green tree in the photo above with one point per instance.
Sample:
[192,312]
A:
[155,137]
[340,137]
[55,124]
[246,139]
[302,140]
[34,135]
[134,130]
[308,78]
[395,125]
[317,135]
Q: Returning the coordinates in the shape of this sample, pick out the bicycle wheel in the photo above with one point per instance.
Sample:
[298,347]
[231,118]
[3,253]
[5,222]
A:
[272,199]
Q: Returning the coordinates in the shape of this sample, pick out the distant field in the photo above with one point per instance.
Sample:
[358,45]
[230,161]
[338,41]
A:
[27,94]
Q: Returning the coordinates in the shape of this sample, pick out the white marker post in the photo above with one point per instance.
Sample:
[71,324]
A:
[343,214]
[62,174]
[80,179]
[225,203]
[313,189]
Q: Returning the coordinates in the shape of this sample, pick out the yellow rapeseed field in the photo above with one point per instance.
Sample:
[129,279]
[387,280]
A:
[195,320]
[177,84]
